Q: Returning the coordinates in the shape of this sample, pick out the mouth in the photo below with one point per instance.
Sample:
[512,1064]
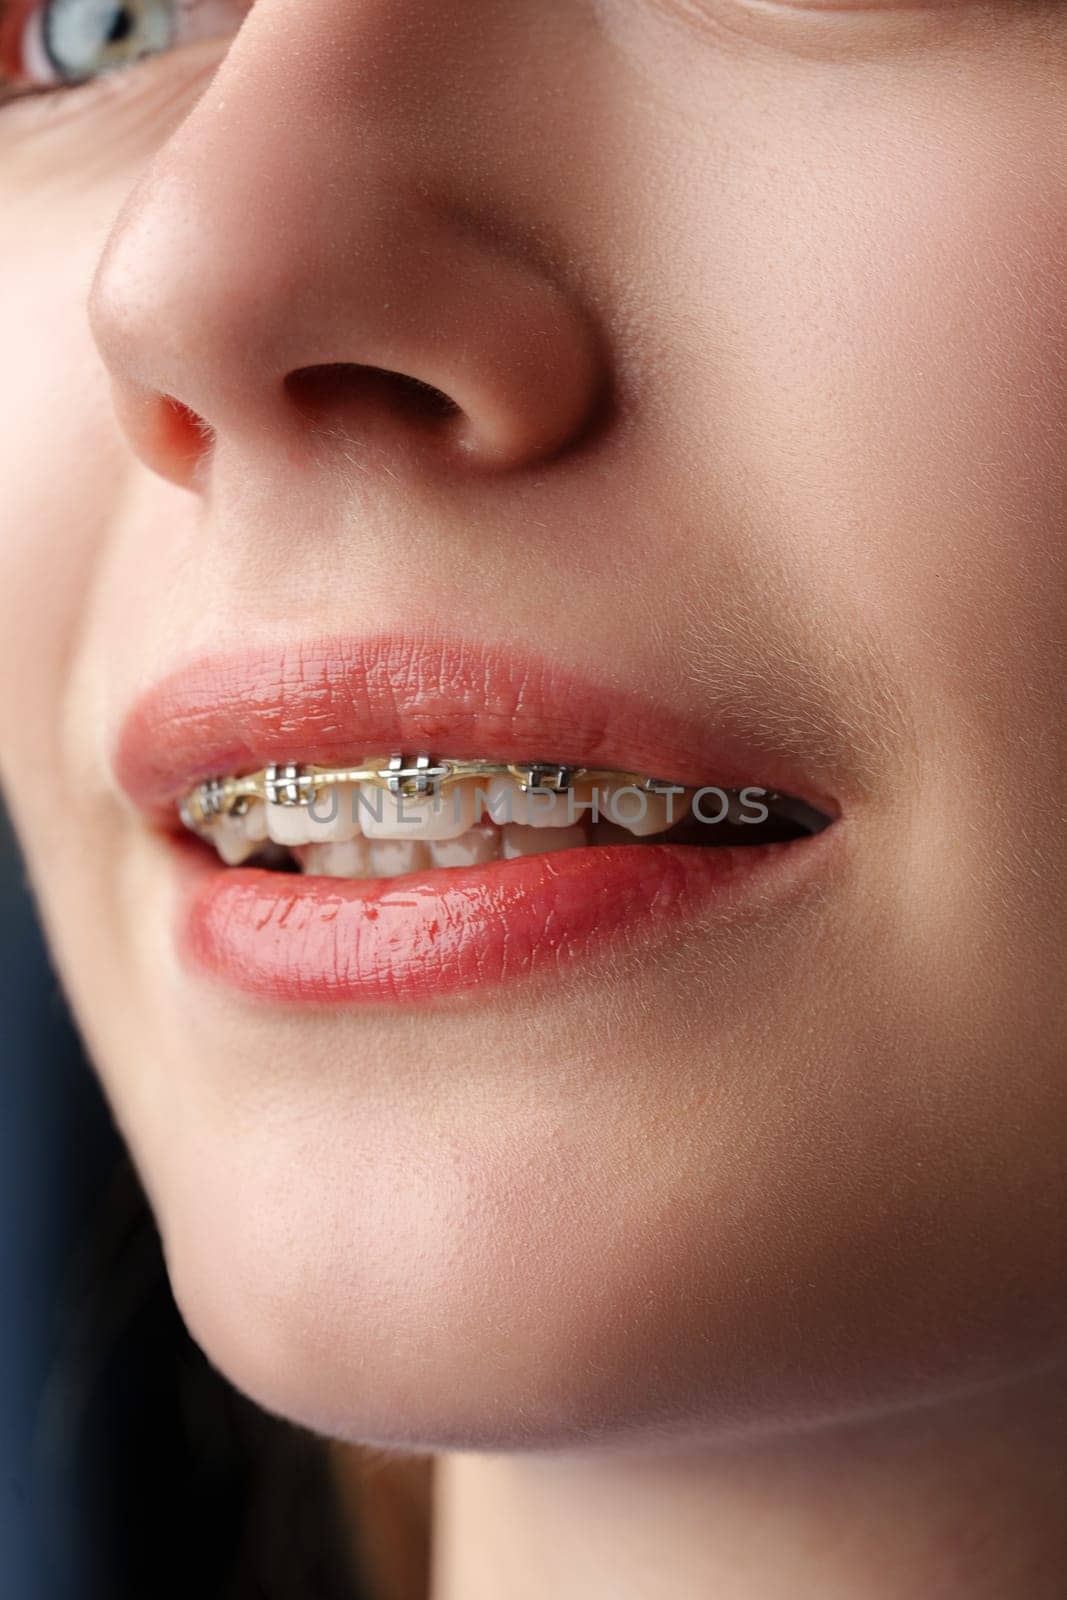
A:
[387,817]
[401,878]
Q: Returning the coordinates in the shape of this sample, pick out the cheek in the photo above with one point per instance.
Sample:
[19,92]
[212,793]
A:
[61,460]
[958,396]
[889,335]
[64,466]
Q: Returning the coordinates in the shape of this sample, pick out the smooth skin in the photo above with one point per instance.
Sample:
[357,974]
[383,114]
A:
[739,1269]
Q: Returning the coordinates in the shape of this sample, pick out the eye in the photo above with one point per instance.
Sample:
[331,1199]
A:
[79,38]
[47,43]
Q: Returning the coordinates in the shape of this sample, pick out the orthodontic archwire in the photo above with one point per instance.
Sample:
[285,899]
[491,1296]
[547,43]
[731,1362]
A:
[291,783]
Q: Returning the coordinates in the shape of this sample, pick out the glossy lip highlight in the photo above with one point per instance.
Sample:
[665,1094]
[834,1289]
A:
[451,930]
[442,931]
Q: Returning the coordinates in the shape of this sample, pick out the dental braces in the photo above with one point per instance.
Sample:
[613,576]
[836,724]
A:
[290,783]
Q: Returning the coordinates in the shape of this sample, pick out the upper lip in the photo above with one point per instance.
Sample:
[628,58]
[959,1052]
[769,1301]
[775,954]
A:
[333,700]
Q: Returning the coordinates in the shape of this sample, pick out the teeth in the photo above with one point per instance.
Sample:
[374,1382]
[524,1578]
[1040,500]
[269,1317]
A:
[384,818]
[236,836]
[639,813]
[307,804]
[255,821]
[478,844]
[330,818]
[288,825]
[446,815]
[232,841]
[347,858]
[388,858]
[362,830]
[505,802]
[335,814]
[518,840]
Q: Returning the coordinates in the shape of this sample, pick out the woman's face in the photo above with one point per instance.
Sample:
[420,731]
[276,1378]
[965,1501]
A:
[753,317]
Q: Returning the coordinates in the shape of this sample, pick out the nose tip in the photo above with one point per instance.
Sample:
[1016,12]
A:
[258,315]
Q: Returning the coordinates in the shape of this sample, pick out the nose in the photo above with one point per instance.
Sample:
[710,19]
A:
[293,282]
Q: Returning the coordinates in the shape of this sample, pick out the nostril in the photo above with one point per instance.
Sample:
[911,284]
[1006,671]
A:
[183,434]
[322,393]
[418,398]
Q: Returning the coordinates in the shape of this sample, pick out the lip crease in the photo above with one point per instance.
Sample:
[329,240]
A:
[446,930]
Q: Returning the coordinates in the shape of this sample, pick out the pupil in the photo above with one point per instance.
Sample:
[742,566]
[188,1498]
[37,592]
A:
[121,26]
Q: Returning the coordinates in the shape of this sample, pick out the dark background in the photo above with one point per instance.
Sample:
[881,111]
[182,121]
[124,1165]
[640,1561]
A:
[129,1468]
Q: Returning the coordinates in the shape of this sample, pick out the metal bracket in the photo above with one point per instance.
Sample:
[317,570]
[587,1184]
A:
[412,776]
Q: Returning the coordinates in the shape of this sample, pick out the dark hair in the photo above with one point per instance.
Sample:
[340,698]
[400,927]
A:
[133,1467]
[160,1479]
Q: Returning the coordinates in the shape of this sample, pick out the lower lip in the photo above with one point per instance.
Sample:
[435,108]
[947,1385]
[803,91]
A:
[420,937]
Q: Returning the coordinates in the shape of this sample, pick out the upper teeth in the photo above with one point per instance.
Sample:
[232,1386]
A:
[321,796]
[343,813]
[400,813]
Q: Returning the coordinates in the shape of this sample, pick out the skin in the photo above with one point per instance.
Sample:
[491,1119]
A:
[657,1232]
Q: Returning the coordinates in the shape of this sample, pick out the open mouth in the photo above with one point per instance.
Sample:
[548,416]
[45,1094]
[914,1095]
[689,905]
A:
[409,878]
[311,871]
[387,817]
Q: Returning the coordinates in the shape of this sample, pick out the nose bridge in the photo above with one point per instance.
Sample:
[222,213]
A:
[289,226]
